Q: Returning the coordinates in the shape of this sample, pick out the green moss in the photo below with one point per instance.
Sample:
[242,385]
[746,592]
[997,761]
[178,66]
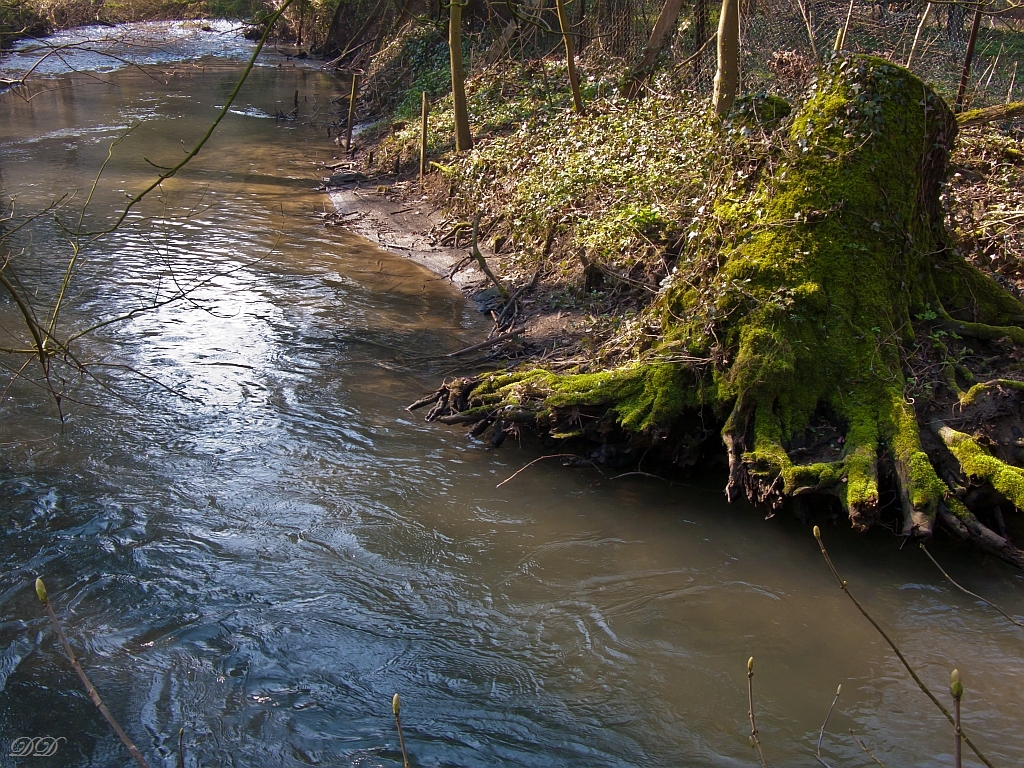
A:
[978,463]
[795,283]
[971,395]
[970,295]
[922,485]
[760,109]
[861,494]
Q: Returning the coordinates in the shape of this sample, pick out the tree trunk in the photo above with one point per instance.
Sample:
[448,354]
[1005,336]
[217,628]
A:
[334,30]
[802,325]
[500,46]
[463,136]
[727,76]
[660,37]
[570,56]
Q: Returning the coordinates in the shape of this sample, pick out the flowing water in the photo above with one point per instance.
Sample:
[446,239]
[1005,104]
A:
[246,535]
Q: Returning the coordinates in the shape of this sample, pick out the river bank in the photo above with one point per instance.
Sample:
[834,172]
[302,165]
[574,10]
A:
[588,216]
[615,229]
[248,537]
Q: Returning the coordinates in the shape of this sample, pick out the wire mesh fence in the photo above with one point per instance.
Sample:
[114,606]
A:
[782,41]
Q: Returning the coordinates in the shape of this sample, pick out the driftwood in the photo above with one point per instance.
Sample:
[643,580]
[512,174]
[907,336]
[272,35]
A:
[483,345]
[483,262]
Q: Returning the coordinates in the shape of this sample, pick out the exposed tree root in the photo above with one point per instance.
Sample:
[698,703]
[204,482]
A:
[793,341]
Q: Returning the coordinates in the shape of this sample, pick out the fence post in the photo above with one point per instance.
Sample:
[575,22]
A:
[423,136]
[351,112]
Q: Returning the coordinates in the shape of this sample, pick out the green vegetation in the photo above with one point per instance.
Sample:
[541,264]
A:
[787,271]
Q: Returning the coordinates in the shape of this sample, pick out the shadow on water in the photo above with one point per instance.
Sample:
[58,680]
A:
[268,558]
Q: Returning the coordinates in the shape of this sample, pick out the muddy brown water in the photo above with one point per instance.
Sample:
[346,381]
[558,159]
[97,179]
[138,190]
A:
[267,556]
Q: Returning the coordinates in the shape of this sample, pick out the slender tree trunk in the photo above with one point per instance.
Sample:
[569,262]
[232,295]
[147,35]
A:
[917,35]
[660,37]
[463,136]
[965,75]
[330,42]
[727,76]
[570,56]
[500,46]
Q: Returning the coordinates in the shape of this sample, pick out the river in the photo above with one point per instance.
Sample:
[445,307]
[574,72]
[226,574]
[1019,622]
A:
[246,535]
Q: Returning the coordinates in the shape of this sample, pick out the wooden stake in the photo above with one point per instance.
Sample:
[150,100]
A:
[424,107]
[351,112]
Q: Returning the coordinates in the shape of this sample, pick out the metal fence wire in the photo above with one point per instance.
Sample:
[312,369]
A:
[782,41]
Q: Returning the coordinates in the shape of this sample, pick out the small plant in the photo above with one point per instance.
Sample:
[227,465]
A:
[396,709]
[94,695]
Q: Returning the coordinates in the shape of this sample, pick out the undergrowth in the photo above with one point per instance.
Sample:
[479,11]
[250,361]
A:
[621,194]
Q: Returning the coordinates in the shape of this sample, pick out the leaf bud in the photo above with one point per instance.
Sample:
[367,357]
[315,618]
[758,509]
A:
[41,591]
[956,688]
[817,533]
[396,705]
[750,665]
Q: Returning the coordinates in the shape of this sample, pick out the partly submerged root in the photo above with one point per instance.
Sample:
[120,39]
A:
[787,325]
[920,488]
[962,522]
[977,463]
[761,468]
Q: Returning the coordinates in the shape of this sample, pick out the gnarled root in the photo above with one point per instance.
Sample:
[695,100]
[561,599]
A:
[961,521]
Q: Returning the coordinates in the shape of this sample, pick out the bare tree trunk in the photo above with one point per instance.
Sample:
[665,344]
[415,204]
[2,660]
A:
[965,75]
[463,136]
[727,76]
[570,56]
[917,35]
[500,46]
[330,44]
[361,32]
[660,37]
[614,18]
[700,31]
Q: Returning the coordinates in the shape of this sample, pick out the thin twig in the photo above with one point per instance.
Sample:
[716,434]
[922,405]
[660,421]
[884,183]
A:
[550,456]
[396,707]
[488,343]
[821,735]
[750,698]
[867,751]
[89,687]
[903,659]
[949,578]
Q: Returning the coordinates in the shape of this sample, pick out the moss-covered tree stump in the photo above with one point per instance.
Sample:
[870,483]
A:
[800,328]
